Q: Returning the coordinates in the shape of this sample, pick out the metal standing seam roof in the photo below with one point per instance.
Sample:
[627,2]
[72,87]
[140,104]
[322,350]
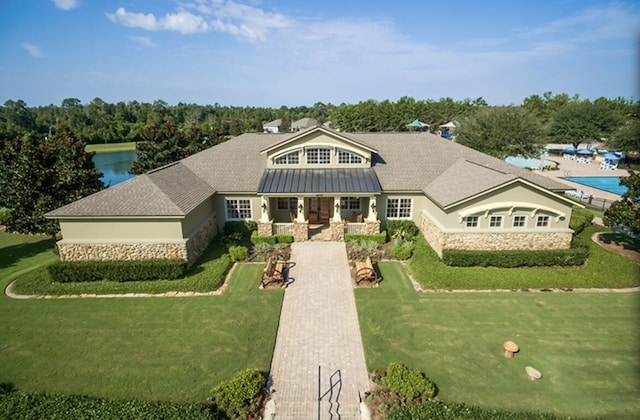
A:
[319,181]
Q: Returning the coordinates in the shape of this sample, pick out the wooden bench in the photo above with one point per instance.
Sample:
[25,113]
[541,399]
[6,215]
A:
[366,272]
[274,273]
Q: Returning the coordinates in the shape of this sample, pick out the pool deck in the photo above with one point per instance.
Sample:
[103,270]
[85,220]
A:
[570,167]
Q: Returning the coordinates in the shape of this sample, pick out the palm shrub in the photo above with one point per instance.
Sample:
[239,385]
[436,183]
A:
[241,396]
[402,249]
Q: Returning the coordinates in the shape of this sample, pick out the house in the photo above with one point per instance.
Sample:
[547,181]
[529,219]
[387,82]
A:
[303,124]
[344,182]
[273,126]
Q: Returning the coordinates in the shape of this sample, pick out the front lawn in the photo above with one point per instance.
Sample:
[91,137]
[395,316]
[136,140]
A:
[585,345]
[602,269]
[172,349]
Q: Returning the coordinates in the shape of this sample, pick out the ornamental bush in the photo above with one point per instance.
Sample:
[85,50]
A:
[402,249]
[378,238]
[408,383]
[460,411]
[241,396]
[580,219]
[238,253]
[139,270]
[577,255]
[245,228]
[403,229]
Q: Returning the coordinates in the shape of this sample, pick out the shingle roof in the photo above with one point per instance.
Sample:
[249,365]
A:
[319,181]
[403,162]
[169,191]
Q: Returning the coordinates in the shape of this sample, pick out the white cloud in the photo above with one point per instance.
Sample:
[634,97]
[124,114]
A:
[32,49]
[143,41]
[183,22]
[66,4]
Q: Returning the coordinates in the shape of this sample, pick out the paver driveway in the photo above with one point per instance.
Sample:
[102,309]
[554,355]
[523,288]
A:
[319,328]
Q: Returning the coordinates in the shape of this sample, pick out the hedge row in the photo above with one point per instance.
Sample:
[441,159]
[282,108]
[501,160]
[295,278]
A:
[379,238]
[81,271]
[510,259]
[460,411]
[20,405]
[580,219]
[271,239]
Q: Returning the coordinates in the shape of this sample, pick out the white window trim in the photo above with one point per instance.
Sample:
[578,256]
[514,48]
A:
[465,221]
[524,224]
[548,221]
[351,155]
[410,217]
[350,200]
[297,151]
[292,203]
[319,148]
[226,208]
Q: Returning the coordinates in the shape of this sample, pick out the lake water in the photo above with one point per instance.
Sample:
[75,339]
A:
[114,166]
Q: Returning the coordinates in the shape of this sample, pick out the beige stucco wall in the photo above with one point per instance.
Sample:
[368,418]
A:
[108,230]
[419,202]
[194,221]
[219,206]
[320,139]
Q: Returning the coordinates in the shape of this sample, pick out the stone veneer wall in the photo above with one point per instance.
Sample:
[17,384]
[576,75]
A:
[372,228]
[300,231]
[490,241]
[265,229]
[188,250]
[337,230]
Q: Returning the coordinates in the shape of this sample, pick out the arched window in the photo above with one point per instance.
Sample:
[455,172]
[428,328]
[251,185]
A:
[345,157]
[291,158]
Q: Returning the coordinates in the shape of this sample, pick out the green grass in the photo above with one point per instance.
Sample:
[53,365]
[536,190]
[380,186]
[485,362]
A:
[111,147]
[206,275]
[172,349]
[602,269]
[585,344]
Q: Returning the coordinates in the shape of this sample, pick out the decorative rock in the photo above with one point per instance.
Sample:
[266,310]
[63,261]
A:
[510,348]
[533,373]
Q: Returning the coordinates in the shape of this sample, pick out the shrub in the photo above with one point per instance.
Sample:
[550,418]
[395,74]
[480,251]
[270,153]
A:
[5,213]
[238,253]
[402,249]
[238,226]
[444,410]
[379,238]
[141,270]
[403,229]
[232,239]
[241,395]
[580,219]
[577,255]
[284,238]
[408,383]
[256,239]
[263,247]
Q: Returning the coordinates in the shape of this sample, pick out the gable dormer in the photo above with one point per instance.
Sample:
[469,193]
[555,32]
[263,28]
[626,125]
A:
[318,148]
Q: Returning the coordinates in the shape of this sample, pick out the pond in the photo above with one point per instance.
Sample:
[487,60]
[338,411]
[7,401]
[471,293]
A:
[114,166]
[532,163]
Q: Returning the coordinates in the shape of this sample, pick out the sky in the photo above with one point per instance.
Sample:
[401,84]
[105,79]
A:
[277,53]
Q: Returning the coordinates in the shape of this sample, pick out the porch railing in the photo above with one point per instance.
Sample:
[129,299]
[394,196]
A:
[356,228]
[283,228]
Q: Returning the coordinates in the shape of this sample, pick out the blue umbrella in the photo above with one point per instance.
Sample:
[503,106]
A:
[571,149]
[585,152]
[610,155]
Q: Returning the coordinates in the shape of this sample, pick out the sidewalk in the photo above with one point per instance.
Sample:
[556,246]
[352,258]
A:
[319,328]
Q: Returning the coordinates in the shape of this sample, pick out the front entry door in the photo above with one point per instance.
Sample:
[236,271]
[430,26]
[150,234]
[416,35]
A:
[319,209]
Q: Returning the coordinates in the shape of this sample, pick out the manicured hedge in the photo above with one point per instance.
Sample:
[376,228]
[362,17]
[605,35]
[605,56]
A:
[19,405]
[580,219]
[408,383]
[81,271]
[406,229]
[243,227]
[241,396]
[271,239]
[510,259]
[379,238]
[458,411]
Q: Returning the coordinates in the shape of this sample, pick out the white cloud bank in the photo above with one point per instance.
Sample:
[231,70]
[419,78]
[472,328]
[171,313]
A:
[66,4]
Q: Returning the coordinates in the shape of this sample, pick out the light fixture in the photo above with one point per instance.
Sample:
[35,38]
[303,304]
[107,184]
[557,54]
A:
[373,206]
[264,207]
[300,207]
[337,206]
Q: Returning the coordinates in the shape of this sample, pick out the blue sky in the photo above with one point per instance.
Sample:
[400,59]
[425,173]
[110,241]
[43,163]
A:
[296,52]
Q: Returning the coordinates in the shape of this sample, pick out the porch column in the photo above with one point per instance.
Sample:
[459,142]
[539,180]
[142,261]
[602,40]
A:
[372,215]
[265,210]
[337,216]
[300,210]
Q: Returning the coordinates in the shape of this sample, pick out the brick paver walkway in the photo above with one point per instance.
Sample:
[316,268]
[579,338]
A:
[318,327]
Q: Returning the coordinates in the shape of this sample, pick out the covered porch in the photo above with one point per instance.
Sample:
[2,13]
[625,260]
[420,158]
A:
[304,202]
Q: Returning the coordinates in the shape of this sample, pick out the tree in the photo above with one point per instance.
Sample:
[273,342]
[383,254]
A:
[627,137]
[584,122]
[625,212]
[37,177]
[502,131]
[166,144]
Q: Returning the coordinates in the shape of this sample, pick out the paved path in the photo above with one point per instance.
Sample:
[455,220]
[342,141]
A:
[318,327]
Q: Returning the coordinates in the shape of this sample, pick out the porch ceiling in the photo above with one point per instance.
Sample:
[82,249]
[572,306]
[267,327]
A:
[319,181]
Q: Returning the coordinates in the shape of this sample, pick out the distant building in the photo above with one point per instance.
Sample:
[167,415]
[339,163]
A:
[273,126]
[303,124]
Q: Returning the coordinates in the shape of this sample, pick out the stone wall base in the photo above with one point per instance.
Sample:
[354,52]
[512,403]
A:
[265,229]
[372,228]
[300,231]
[337,230]
[197,244]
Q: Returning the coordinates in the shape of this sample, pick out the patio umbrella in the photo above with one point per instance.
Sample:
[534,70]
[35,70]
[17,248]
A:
[448,125]
[585,152]
[417,124]
[571,149]
[611,155]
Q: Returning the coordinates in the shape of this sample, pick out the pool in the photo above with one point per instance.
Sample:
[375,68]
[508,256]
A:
[522,162]
[605,183]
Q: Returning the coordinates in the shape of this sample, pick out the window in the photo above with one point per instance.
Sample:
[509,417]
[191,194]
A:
[399,208]
[471,221]
[350,203]
[238,209]
[519,221]
[542,221]
[495,221]
[287,203]
[319,156]
[291,158]
[345,157]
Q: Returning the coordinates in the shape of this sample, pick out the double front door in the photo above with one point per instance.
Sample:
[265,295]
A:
[319,209]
